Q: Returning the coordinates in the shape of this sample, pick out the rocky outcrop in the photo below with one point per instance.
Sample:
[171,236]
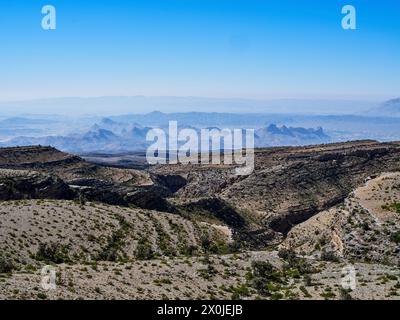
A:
[172,182]
[19,184]
[85,180]
[290,185]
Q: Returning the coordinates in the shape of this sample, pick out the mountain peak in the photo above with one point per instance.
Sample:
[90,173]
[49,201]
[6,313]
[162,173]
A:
[390,108]
[107,121]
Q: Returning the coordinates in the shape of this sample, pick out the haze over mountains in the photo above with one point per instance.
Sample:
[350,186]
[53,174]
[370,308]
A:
[105,106]
[115,133]
[110,136]
[390,108]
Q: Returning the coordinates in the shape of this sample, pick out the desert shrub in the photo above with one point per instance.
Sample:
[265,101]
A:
[205,242]
[365,226]
[392,207]
[207,273]
[111,252]
[328,294]
[164,240]
[219,247]
[52,252]
[396,207]
[395,237]
[265,278]
[294,263]
[345,294]
[263,269]
[329,256]
[305,292]
[144,250]
[239,292]
[41,296]
[6,266]
[286,254]
[307,280]
[261,285]
[188,250]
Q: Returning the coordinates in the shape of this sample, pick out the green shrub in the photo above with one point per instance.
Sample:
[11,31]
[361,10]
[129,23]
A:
[305,292]
[345,294]
[52,252]
[392,207]
[395,237]
[287,254]
[6,266]
[188,250]
[262,269]
[295,266]
[144,250]
[111,252]
[265,277]
[307,280]
[41,296]
[208,273]
[329,256]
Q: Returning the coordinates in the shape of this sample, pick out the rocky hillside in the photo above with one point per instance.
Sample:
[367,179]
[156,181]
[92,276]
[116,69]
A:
[287,187]
[286,231]
[366,227]
[72,232]
[84,180]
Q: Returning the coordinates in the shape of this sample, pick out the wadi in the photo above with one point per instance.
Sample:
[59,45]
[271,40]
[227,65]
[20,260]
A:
[307,223]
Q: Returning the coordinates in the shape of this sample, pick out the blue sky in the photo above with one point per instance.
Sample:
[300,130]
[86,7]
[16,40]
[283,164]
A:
[214,48]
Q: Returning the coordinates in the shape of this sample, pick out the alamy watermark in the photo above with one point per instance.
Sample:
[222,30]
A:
[204,146]
[48,280]
[49,21]
[349,278]
[349,21]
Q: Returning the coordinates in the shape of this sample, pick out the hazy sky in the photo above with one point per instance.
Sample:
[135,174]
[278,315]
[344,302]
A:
[217,48]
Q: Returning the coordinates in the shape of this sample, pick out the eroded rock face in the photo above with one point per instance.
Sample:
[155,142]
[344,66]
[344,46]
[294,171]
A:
[288,186]
[173,182]
[306,182]
[330,204]
[365,227]
[91,182]
[22,184]
[150,197]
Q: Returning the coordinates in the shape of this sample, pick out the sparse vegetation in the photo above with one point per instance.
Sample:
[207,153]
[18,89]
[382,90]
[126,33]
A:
[294,264]
[6,265]
[114,247]
[52,253]
[144,250]
[395,237]
[329,256]
[392,207]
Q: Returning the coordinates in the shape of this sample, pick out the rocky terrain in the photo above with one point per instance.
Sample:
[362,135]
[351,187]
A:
[365,227]
[286,231]
[288,186]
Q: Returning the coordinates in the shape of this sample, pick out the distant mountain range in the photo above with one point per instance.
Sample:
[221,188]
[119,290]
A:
[111,136]
[106,106]
[127,132]
[285,136]
[390,108]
